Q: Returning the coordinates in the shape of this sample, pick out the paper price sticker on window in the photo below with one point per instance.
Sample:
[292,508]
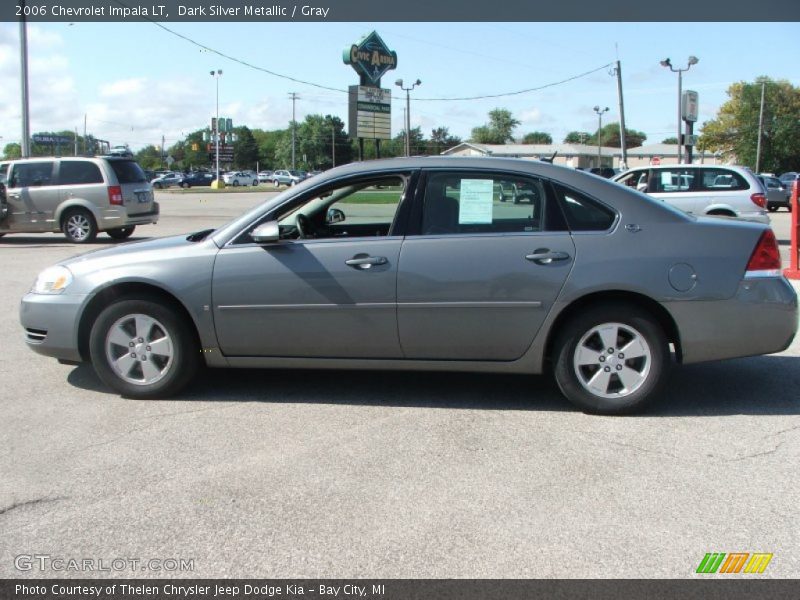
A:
[475,204]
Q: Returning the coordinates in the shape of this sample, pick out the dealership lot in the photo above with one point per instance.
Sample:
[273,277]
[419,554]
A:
[345,474]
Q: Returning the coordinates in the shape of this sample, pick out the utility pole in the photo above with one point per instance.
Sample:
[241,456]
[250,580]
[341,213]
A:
[84,133]
[294,97]
[623,143]
[760,128]
[25,146]
[162,151]
[75,152]
[333,144]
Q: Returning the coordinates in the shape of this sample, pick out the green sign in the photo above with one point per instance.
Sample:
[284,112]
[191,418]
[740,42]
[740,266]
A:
[370,58]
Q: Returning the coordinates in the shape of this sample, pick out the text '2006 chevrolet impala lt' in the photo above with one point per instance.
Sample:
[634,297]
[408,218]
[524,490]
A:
[458,264]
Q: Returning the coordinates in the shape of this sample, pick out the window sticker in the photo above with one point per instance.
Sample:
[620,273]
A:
[475,205]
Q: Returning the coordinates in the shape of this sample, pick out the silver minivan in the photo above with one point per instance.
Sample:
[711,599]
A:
[80,196]
[725,191]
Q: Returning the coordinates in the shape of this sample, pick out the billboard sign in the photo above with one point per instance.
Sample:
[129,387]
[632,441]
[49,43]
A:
[370,58]
[370,114]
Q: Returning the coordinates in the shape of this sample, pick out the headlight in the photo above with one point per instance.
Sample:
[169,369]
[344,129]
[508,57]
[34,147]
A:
[53,280]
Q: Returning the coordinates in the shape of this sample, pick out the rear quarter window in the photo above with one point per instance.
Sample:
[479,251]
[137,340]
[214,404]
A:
[720,180]
[78,172]
[127,171]
[583,213]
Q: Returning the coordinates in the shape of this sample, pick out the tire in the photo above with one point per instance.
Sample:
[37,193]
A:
[255,182]
[155,373]
[121,233]
[158,186]
[772,208]
[276,183]
[79,226]
[235,183]
[582,355]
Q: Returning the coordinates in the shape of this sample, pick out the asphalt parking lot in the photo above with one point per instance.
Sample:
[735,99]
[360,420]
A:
[347,474]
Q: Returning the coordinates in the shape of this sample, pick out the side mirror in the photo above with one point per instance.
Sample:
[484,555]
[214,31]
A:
[334,216]
[266,233]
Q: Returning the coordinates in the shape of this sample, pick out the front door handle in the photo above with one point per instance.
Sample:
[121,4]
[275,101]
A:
[544,256]
[366,262]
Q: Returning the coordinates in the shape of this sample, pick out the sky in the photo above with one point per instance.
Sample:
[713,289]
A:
[137,82]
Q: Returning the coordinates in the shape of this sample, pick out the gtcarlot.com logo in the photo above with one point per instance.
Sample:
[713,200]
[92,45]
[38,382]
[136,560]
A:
[734,562]
[45,562]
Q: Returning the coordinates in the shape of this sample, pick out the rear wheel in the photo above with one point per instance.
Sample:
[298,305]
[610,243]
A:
[276,183]
[255,182]
[79,226]
[611,359]
[121,233]
[143,349]
[235,183]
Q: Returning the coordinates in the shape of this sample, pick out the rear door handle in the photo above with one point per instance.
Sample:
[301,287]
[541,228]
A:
[365,262]
[544,256]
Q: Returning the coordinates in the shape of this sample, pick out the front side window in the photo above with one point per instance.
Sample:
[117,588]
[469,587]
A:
[463,203]
[77,172]
[365,208]
[33,174]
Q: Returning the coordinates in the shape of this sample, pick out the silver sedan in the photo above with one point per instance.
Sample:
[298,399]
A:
[417,264]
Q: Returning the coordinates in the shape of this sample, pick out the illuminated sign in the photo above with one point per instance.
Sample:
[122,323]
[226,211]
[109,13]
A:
[370,115]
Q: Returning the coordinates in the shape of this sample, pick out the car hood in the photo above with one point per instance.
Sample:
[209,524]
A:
[133,253]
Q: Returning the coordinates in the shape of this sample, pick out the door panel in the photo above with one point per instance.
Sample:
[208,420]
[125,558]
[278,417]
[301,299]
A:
[302,299]
[477,297]
[32,196]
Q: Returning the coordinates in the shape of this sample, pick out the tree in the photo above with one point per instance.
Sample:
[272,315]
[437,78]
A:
[12,151]
[149,157]
[610,137]
[315,139]
[245,149]
[537,137]
[498,130]
[734,132]
[577,137]
[441,140]
[670,140]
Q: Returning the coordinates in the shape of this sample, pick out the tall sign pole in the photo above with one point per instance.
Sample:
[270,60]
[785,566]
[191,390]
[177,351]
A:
[623,143]
[25,146]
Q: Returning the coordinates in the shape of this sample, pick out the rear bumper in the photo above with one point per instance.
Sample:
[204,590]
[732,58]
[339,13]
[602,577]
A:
[762,318]
[118,218]
[51,324]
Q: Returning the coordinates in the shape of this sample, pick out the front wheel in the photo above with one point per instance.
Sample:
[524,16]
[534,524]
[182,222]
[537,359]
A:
[255,182]
[276,183]
[611,359]
[121,233]
[79,226]
[235,183]
[142,349]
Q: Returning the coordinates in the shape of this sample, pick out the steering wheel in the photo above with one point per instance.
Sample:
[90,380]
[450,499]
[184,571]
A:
[303,225]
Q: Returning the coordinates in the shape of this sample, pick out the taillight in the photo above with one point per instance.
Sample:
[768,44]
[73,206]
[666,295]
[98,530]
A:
[766,256]
[115,195]
[759,199]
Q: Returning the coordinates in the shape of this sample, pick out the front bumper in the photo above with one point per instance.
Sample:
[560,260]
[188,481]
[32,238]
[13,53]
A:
[761,318]
[51,323]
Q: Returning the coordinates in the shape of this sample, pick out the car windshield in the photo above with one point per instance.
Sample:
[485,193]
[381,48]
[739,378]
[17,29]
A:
[128,171]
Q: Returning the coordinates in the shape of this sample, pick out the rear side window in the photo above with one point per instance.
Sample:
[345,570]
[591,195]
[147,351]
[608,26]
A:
[79,172]
[34,174]
[672,180]
[583,213]
[722,180]
[459,203]
[128,171]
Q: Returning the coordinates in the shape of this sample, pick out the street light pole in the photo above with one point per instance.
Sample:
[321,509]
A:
[216,75]
[693,60]
[760,128]
[295,97]
[25,146]
[599,129]
[407,90]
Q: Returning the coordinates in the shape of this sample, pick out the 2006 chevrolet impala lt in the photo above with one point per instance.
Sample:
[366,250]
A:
[417,264]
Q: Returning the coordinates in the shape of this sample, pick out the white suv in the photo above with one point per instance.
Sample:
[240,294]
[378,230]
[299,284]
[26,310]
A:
[703,189]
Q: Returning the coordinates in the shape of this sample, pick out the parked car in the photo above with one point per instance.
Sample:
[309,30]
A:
[78,196]
[167,180]
[122,151]
[264,176]
[597,283]
[787,179]
[777,195]
[702,189]
[237,178]
[286,177]
[197,179]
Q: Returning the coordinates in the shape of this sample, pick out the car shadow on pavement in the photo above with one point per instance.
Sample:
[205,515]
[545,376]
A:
[50,241]
[764,385]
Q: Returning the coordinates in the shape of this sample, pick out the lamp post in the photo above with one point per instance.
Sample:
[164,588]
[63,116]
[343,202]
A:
[407,90]
[693,60]
[216,75]
[599,129]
